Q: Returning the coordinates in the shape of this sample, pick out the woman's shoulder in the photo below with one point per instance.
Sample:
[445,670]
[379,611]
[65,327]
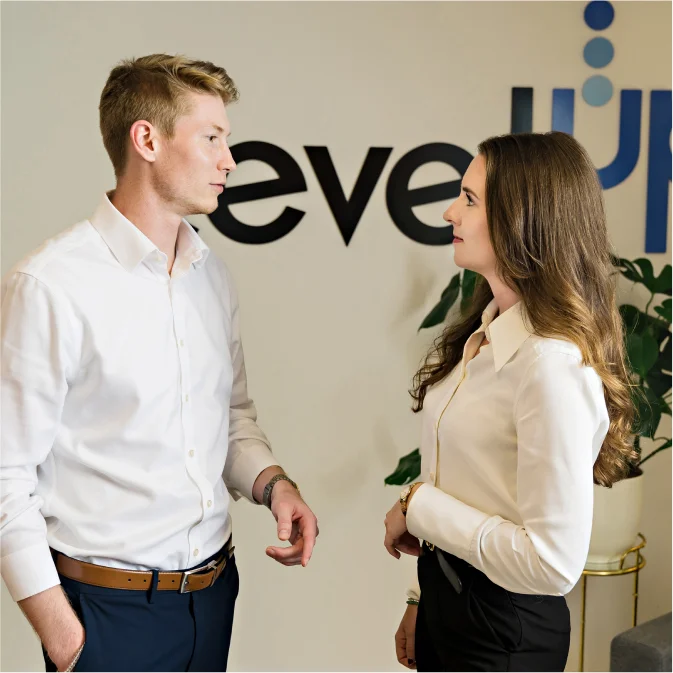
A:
[539,346]
[556,358]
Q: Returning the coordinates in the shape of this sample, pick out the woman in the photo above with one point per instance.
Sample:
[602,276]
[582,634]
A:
[525,405]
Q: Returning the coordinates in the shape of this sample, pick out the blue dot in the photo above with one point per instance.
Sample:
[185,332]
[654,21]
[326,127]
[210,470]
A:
[598,52]
[598,14]
[597,90]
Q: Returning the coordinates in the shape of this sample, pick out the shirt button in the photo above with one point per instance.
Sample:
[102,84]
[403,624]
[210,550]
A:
[432,476]
[186,398]
[191,453]
[182,343]
[196,552]
[210,503]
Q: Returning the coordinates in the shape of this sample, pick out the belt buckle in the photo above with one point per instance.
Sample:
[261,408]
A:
[195,571]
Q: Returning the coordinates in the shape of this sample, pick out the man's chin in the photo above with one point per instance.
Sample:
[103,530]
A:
[204,208]
[211,208]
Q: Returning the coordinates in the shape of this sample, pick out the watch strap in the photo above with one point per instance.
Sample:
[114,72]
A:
[266,495]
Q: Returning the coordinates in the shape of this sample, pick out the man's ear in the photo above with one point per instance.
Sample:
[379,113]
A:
[144,140]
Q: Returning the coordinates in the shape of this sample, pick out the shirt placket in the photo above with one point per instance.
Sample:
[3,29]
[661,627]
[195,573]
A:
[191,450]
[468,353]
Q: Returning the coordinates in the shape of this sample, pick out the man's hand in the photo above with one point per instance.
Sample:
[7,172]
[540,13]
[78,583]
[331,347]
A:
[296,523]
[56,623]
[405,638]
[398,538]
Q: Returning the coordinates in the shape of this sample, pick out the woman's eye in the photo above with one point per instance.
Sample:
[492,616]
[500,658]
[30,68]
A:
[470,202]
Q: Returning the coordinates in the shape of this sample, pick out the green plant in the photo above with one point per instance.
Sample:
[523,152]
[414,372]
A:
[648,347]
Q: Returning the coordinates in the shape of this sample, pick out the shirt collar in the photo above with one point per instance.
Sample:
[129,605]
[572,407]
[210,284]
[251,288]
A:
[190,245]
[130,246]
[506,332]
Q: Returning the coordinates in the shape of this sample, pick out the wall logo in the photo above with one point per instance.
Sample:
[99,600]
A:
[598,91]
[400,199]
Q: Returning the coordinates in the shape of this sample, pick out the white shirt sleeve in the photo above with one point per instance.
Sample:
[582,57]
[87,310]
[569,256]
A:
[37,353]
[249,449]
[561,421]
[414,589]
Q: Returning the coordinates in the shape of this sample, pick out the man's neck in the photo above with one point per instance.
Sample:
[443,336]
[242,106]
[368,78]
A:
[145,210]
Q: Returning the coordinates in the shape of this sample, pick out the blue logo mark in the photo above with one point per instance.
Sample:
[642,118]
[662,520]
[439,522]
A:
[597,91]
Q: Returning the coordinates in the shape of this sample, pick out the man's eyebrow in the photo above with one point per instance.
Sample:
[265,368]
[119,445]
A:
[219,129]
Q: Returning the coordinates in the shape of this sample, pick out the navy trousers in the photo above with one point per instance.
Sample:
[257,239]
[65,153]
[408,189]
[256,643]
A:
[485,627]
[155,630]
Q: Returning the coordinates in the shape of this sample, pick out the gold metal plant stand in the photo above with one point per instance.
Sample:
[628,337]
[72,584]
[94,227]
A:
[621,570]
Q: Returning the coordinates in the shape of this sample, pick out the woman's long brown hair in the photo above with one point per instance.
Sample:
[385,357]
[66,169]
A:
[547,225]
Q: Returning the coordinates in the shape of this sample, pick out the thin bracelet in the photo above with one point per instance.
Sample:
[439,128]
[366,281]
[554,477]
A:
[73,663]
[412,601]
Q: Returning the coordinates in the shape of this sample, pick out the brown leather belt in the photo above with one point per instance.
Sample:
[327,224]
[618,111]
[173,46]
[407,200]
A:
[115,578]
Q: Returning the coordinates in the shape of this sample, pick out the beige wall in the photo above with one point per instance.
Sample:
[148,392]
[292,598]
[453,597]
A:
[330,330]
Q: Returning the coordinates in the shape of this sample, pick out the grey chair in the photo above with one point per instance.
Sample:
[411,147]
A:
[646,647]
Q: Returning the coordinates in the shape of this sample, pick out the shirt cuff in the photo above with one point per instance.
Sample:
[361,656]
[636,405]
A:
[442,520]
[414,590]
[254,457]
[29,571]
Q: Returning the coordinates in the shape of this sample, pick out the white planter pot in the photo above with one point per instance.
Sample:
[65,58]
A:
[616,523]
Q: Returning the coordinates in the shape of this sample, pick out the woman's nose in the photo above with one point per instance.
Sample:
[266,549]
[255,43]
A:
[449,214]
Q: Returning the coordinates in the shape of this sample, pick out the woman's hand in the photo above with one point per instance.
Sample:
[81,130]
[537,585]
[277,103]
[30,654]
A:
[398,538]
[405,638]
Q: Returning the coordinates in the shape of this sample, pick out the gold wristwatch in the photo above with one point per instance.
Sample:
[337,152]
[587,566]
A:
[404,496]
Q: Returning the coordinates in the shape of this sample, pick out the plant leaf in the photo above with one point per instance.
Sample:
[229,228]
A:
[438,314]
[630,317]
[660,284]
[647,272]
[469,282]
[664,310]
[639,322]
[408,468]
[658,381]
[629,270]
[453,284]
[643,351]
[648,412]
[663,282]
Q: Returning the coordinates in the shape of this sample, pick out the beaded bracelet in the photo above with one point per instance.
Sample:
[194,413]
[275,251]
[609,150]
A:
[412,601]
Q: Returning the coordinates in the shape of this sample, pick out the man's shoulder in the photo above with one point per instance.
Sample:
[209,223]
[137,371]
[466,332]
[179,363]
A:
[217,267]
[59,254]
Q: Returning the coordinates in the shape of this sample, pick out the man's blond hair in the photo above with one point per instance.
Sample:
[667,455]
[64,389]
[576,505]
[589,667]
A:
[154,88]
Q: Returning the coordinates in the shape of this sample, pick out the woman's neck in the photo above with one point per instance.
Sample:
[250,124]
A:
[504,296]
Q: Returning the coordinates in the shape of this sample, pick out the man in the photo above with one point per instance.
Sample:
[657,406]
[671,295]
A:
[126,421]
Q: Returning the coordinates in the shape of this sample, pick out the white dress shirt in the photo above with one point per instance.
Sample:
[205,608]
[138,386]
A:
[125,412]
[509,440]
